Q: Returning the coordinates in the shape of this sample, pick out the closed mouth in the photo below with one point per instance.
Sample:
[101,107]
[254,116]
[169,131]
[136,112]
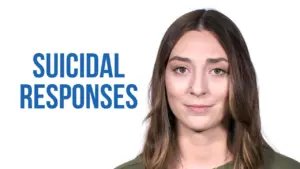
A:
[198,108]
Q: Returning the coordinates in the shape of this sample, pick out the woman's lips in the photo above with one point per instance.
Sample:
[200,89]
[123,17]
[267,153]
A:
[198,108]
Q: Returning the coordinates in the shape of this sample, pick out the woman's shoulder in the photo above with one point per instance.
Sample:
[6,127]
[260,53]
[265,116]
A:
[135,163]
[276,160]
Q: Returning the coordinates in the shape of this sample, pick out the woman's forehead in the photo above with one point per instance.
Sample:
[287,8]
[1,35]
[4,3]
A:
[197,45]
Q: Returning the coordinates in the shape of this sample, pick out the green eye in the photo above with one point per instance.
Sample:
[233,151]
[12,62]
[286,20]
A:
[218,71]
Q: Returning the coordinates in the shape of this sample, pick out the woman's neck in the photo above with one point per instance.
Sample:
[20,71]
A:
[206,149]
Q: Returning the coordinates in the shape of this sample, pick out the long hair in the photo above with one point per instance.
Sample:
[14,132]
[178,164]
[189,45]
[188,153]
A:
[245,140]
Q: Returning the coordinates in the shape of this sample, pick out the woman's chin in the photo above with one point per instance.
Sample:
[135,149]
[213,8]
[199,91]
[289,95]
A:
[199,124]
[196,126]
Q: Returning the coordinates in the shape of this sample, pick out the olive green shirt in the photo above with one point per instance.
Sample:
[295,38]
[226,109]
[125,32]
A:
[273,160]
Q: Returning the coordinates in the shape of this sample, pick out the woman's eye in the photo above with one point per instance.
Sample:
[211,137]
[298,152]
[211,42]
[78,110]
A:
[180,70]
[218,71]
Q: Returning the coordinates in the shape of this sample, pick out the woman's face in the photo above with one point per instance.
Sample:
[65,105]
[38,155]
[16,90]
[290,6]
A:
[197,81]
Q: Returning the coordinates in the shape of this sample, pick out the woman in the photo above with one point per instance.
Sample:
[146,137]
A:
[204,101]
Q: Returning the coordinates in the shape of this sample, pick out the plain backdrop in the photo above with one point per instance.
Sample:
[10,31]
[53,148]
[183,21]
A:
[103,139]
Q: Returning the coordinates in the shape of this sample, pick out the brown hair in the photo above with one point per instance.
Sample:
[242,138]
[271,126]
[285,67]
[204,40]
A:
[245,140]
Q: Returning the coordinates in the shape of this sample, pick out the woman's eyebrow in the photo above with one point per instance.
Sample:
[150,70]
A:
[208,60]
[180,58]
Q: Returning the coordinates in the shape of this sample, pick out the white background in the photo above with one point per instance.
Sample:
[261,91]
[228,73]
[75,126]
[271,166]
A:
[103,139]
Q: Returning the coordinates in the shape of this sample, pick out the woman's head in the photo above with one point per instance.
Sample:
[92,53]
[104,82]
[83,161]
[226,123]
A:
[197,80]
[204,78]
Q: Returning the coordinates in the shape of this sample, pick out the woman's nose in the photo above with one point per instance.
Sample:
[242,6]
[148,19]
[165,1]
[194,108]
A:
[198,85]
